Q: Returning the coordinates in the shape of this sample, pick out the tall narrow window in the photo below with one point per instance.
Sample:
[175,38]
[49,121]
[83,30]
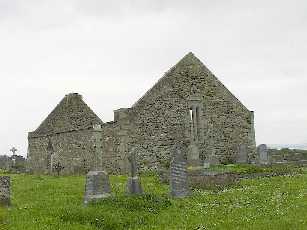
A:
[196,122]
[194,128]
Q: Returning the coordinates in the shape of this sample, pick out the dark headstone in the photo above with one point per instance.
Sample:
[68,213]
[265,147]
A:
[262,151]
[179,175]
[133,183]
[242,155]
[5,199]
[97,186]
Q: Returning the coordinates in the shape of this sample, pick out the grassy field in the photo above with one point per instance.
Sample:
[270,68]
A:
[45,202]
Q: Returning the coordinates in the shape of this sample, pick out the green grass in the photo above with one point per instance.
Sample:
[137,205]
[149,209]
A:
[44,202]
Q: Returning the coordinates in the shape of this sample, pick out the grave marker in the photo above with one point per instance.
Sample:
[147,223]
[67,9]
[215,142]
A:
[179,175]
[97,186]
[262,151]
[242,155]
[5,183]
[133,183]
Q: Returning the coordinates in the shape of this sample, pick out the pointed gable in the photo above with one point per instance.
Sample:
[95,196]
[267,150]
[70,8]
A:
[162,81]
[189,68]
[71,114]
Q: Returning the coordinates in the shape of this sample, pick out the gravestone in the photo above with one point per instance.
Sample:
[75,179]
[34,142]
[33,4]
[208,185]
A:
[262,151]
[179,175]
[133,183]
[242,155]
[97,186]
[5,199]
[193,155]
[211,159]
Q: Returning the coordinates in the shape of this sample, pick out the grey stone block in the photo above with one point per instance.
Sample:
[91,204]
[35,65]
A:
[179,175]
[134,186]
[5,199]
[133,183]
[193,155]
[242,155]
[262,151]
[97,186]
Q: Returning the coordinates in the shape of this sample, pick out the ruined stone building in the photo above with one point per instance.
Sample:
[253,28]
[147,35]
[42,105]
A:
[187,105]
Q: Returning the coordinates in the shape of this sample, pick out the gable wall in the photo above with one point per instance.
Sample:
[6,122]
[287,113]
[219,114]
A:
[161,119]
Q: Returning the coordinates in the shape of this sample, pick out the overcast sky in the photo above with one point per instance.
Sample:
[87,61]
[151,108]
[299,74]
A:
[112,52]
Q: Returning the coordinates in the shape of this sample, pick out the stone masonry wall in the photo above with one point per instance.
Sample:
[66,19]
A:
[113,150]
[161,118]
[74,150]
[188,104]
[70,128]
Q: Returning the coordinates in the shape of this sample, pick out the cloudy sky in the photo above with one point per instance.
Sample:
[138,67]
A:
[111,52]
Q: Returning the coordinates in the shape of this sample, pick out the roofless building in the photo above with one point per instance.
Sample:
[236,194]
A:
[187,105]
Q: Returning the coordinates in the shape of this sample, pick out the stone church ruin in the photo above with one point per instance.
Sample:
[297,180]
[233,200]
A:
[187,105]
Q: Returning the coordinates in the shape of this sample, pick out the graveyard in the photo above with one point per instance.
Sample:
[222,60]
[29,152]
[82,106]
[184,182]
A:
[271,201]
[153,115]
[183,156]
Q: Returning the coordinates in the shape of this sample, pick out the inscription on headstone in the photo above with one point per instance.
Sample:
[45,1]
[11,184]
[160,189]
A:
[179,175]
[5,199]
[242,155]
[263,154]
[134,183]
[97,186]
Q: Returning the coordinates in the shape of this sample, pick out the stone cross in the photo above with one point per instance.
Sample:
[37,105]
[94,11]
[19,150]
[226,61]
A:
[263,154]
[97,186]
[5,199]
[13,150]
[132,160]
[50,152]
[242,155]
[134,183]
[179,174]
[193,155]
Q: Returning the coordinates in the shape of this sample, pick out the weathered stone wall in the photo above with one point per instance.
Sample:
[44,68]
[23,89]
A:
[161,118]
[74,150]
[188,104]
[113,149]
[70,128]
[83,150]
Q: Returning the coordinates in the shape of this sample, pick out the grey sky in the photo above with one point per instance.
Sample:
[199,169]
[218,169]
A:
[112,52]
